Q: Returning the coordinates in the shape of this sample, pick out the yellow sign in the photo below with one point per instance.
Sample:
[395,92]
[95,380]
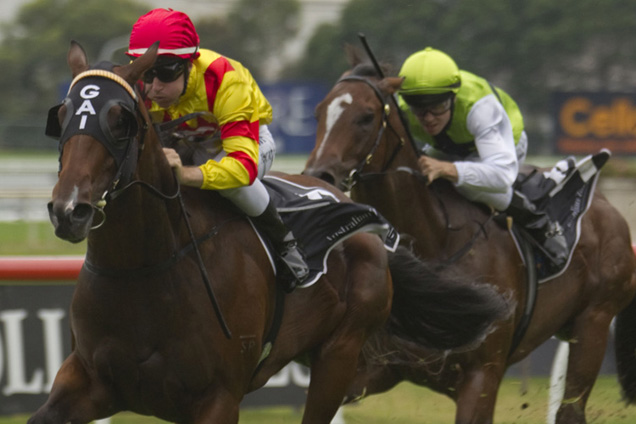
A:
[587,122]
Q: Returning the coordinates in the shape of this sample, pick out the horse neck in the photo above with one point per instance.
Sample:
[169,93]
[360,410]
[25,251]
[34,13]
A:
[400,192]
[391,156]
[139,226]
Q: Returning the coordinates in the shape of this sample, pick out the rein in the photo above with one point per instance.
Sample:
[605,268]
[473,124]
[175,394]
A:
[481,226]
[151,270]
[386,110]
[193,245]
[127,164]
[357,174]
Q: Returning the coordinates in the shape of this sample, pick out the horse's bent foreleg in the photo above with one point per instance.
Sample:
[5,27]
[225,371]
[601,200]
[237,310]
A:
[587,349]
[220,407]
[368,301]
[477,395]
[74,397]
[331,375]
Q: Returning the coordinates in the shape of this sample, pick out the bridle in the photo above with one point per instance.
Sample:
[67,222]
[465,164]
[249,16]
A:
[126,155]
[111,90]
[356,172]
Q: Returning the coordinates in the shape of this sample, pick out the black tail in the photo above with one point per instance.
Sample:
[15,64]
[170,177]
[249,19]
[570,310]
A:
[437,311]
[625,348]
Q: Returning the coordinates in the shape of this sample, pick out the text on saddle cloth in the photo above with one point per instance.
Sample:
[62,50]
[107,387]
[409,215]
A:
[320,221]
[564,193]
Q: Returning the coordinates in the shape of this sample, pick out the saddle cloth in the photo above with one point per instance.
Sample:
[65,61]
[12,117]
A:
[565,194]
[320,221]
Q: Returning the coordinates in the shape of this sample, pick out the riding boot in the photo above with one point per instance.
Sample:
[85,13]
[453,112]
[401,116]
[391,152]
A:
[292,267]
[547,233]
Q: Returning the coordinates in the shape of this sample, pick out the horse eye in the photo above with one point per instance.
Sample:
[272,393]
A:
[366,119]
[119,123]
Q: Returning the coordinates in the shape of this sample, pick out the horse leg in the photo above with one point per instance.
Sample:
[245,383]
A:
[333,369]
[368,301]
[74,397]
[587,349]
[331,375]
[371,379]
[477,394]
[219,407]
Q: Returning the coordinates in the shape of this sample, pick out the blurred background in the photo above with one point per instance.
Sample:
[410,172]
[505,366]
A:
[570,65]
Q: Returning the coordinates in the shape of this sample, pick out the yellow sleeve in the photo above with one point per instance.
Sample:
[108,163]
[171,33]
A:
[237,169]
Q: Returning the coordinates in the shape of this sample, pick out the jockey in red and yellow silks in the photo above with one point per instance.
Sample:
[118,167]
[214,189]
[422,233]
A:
[226,88]
[186,79]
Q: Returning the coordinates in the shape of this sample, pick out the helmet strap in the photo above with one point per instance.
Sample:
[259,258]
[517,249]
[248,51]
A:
[186,77]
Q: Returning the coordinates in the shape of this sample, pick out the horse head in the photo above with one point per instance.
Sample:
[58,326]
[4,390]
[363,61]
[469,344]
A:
[100,127]
[357,127]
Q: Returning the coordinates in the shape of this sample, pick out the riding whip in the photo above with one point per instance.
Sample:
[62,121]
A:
[378,69]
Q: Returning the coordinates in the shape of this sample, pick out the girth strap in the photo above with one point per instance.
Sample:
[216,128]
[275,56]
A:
[531,298]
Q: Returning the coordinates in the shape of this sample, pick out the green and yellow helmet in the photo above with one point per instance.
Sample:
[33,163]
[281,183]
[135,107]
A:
[429,72]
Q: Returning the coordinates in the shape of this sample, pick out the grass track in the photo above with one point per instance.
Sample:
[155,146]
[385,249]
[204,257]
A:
[405,404]
[409,404]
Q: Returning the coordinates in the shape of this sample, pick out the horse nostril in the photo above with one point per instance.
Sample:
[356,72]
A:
[82,213]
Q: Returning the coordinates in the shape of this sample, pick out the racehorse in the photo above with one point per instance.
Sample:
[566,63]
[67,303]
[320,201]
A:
[362,145]
[177,298]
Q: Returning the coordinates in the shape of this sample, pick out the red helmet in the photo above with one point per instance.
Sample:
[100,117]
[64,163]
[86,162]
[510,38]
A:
[173,29]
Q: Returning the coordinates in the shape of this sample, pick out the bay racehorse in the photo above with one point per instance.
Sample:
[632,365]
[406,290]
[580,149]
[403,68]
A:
[362,145]
[177,298]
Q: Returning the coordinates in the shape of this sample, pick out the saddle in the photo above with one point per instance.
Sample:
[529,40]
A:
[564,193]
[320,222]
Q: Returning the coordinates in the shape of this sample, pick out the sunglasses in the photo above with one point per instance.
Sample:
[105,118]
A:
[435,109]
[165,72]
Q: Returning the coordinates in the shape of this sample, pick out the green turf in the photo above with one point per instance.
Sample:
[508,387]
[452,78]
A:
[409,404]
[34,238]
[405,404]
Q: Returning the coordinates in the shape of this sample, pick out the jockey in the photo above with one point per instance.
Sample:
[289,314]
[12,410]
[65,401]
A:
[472,134]
[187,79]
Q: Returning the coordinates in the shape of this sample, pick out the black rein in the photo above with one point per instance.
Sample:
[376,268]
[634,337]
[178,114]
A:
[140,137]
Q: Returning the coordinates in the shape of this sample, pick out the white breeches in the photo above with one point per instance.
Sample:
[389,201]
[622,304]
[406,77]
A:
[253,199]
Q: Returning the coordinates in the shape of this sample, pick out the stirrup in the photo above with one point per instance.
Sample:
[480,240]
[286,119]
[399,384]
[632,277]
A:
[550,241]
[557,248]
[554,247]
[292,267]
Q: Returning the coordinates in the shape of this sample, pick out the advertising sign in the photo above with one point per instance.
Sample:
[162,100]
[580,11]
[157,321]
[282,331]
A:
[587,122]
[294,125]
[35,338]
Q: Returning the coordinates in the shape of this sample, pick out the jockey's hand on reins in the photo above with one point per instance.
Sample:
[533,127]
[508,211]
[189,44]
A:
[434,169]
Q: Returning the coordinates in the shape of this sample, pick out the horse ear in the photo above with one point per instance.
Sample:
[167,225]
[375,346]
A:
[354,55]
[76,58]
[390,85]
[134,70]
